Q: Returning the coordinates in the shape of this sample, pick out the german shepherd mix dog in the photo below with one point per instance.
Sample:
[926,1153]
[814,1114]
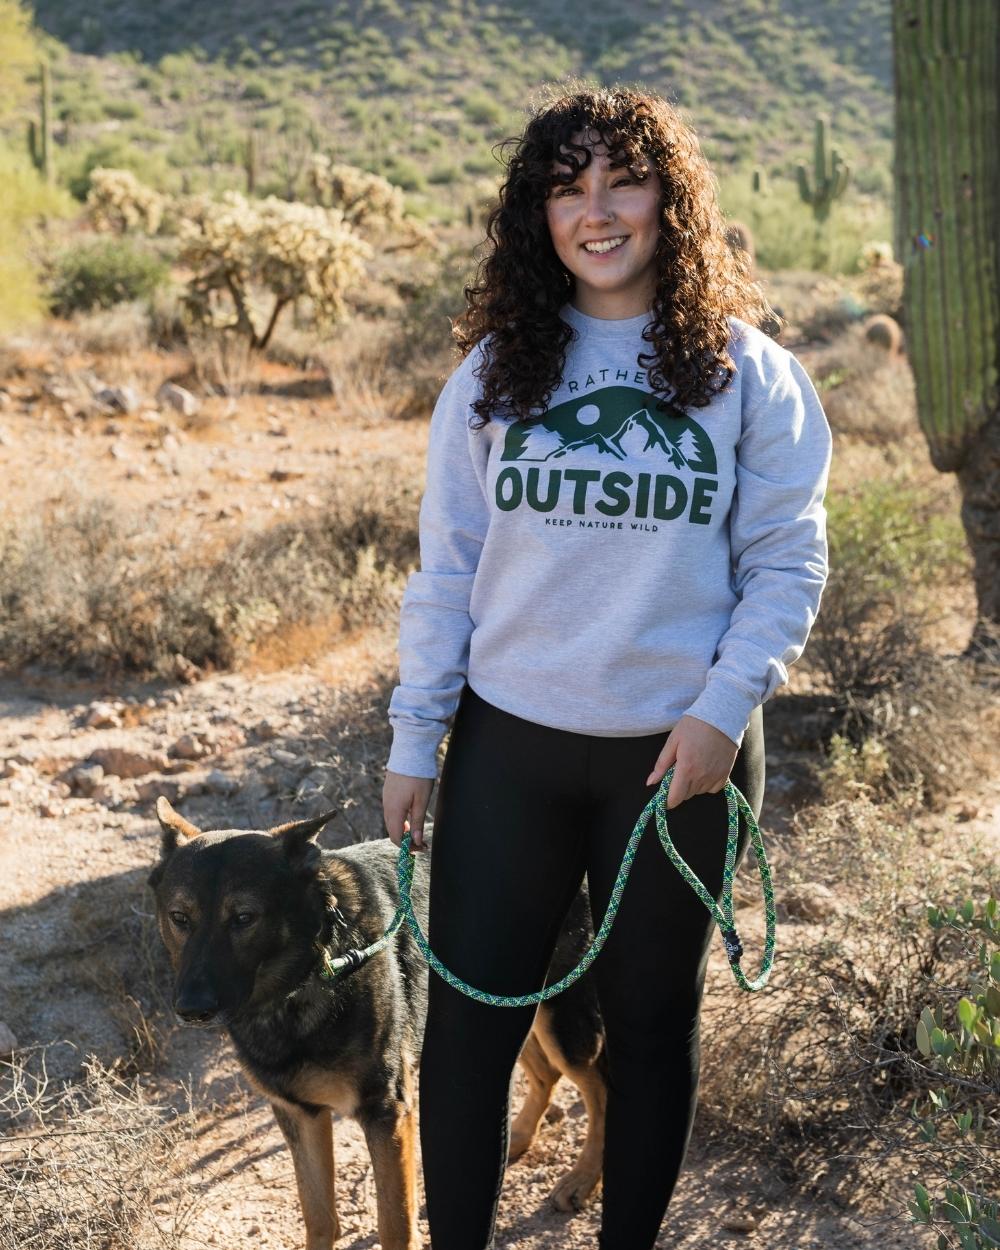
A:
[251,920]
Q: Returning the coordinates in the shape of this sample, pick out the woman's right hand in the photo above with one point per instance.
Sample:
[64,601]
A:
[404,806]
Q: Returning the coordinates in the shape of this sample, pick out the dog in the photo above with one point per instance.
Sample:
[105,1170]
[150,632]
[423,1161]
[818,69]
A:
[251,921]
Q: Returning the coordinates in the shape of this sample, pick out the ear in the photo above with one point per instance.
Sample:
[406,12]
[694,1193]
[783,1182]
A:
[173,826]
[298,839]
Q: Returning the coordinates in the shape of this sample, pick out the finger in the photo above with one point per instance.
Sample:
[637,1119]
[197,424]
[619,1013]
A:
[662,765]
[417,828]
[680,788]
[393,824]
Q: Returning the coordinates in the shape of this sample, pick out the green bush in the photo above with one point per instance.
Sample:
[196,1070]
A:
[784,229]
[26,200]
[101,273]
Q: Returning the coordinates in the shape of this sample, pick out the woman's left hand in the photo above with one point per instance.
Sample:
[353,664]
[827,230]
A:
[704,757]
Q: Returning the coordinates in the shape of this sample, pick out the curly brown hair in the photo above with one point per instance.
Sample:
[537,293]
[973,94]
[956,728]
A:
[521,283]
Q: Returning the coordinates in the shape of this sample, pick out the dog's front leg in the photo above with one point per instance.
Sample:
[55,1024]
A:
[310,1139]
[391,1138]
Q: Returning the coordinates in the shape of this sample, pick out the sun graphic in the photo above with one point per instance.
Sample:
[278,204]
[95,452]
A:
[589,414]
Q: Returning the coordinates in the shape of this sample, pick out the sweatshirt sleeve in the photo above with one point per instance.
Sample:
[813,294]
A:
[434,625]
[778,542]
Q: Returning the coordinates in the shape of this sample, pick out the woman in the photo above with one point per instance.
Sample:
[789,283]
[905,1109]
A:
[628,540]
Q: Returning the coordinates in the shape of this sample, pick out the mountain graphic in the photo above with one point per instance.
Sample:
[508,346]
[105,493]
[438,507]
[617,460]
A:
[616,422]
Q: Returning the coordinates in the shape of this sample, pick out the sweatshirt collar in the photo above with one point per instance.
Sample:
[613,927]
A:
[619,330]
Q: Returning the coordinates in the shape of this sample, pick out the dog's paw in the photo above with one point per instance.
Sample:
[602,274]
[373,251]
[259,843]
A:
[519,1143]
[574,1190]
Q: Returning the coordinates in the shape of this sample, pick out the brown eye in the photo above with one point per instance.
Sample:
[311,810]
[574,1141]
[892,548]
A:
[243,919]
[180,919]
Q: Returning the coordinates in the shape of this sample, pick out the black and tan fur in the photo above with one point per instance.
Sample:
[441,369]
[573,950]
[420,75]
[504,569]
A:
[246,917]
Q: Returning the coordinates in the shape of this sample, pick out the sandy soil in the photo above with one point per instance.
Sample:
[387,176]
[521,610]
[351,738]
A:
[270,743]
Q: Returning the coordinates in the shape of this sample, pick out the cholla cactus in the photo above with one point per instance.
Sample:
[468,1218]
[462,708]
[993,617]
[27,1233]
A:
[118,201]
[368,201]
[288,249]
[875,253]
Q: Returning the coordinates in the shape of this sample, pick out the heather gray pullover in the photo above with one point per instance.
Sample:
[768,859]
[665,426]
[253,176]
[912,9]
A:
[610,568]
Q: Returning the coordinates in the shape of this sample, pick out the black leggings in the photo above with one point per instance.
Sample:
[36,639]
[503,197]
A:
[522,812]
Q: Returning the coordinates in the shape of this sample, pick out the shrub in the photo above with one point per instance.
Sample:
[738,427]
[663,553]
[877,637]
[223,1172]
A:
[26,199]
[956,1111]
[117,201]
[288,250]
[101,273]
[890,549]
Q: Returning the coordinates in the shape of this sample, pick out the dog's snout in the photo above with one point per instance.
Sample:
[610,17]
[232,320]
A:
[197,1005]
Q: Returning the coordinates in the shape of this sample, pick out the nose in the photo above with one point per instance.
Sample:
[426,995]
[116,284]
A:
[598,207]
[196,1004]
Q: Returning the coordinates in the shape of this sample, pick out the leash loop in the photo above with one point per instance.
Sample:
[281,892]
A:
[722,913]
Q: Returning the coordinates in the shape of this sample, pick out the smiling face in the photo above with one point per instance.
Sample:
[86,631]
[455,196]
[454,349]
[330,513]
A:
[616,209]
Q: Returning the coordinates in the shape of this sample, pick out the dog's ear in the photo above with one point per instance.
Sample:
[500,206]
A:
[173,826]
[298,839]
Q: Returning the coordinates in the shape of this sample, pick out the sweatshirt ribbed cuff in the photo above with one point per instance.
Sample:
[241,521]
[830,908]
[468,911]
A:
[726,705]
[414,751]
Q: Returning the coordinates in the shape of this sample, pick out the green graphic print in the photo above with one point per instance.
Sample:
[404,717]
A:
[566,453]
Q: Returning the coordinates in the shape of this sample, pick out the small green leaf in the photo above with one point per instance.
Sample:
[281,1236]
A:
[968,909]
[923,1039]
[967,1013]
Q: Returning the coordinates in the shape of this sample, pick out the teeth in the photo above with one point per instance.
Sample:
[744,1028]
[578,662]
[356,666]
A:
[606,246]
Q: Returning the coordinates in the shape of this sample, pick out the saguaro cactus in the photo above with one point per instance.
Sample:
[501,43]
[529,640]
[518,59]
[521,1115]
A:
[251,155]
[40,136]
[830,175]
[947,205]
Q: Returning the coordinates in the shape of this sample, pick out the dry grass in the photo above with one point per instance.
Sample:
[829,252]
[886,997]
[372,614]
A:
[92,588]
[92,1165]
[826,1069]
[867,394]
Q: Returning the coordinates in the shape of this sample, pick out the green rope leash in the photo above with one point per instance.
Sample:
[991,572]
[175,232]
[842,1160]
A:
[657,805]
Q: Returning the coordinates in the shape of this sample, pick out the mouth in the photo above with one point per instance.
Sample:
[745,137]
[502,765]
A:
[212,1022]
[606,246]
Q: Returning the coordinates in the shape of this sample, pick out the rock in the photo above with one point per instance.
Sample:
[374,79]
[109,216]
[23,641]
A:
[257,790]
[119,762]
[86,778]
[185,670]
[178,398]
[152,787]
[287,759]
[102,716]
[265,730]
[218,782]
[117,398]
[739,1222]
[188,747]
[113,791]
[8,1042]
[808,900]
[49,810]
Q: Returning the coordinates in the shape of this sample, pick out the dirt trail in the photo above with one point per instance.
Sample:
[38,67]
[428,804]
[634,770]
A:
[72,889]
[79,961]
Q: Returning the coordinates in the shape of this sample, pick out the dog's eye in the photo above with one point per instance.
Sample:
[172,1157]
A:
[180,919]
[243,918]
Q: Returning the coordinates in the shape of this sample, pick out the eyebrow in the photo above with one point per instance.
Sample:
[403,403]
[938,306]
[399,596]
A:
[563,174]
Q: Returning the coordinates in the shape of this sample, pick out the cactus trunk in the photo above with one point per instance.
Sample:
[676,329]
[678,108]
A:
[947,176]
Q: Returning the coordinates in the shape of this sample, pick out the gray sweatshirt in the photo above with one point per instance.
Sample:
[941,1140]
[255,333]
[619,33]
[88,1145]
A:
[609,568]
